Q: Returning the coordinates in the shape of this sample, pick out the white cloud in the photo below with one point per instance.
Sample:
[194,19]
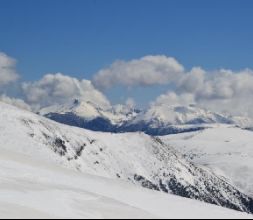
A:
[58,89]
[222,85]
[147,71]
[7,69]
[192,81]
[16,102]
[172,98]
[221,91]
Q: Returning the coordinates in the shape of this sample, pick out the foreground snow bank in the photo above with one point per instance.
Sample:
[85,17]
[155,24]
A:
[31,189]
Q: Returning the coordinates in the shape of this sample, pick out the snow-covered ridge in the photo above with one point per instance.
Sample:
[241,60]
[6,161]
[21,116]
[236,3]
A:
[157,120]
[226,150]
[89,111]
[32,188]
[136,158]
[180,115]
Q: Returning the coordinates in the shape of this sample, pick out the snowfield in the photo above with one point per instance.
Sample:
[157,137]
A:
[38,189]
[227,150]
[50,170]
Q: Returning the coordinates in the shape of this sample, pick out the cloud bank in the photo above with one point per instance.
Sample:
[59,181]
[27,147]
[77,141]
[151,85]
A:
[7,70]
[50,90]
[16,102]
[147,71]
[59,89]
[220,90]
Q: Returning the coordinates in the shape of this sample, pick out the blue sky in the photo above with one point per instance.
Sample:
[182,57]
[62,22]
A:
[79,37]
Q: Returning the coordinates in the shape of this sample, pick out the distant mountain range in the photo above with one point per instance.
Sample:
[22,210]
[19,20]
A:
[157,120]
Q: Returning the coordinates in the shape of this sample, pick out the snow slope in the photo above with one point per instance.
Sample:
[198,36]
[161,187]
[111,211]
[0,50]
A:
[32,188]
[227,150]
[136,158]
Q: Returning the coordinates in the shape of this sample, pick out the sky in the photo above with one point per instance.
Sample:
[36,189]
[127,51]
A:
[79,38]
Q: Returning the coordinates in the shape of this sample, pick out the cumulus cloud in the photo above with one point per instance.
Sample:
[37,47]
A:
[192,81]
[147,71]
[172,98]
[59,89]
[222,91]
[222,84]
[16,102]
[7,70]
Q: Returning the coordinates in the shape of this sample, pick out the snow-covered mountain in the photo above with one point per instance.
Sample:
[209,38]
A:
[163,115]
[165,119]
[38,188]
[157,120]
[226,150]
[90,111]
[135,158]
[90,116]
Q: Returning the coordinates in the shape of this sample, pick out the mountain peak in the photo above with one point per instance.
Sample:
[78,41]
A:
[76,102]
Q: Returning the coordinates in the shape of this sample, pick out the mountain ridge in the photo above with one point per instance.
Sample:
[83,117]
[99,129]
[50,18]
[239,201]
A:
[133,157]
[157,120]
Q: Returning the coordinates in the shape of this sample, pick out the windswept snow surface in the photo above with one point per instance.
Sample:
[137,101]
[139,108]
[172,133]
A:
[32,188]
[227,150]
